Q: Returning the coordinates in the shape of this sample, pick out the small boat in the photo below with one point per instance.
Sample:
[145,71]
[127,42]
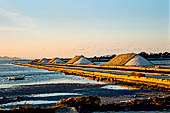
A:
[16,77]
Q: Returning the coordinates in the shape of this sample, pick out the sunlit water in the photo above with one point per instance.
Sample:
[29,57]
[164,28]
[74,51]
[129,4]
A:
[34,76]
[39,102]
[135,112]
[161,62]
[40,76]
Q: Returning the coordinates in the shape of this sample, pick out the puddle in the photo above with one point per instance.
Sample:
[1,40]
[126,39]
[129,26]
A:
[37,102]
[53,94]
[32,102]
[78,80]
[115,87]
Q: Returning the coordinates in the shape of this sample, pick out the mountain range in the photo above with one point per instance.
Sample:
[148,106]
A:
[6,58]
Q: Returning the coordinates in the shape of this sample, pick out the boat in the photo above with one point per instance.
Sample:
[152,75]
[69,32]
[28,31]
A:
[16,77]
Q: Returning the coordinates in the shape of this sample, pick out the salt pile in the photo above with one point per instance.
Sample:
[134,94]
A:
[41,60]
[45,61]
[129,59]
[138,61]
[73,60]
[58,61]
[83,60]
[120,60]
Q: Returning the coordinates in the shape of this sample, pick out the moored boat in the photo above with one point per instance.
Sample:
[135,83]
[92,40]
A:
[16,77]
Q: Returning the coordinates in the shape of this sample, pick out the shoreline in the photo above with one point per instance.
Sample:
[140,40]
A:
[139,81]
[90,104]
[120,99]
[67,90]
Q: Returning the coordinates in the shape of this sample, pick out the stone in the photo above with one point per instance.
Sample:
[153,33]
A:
[66,110]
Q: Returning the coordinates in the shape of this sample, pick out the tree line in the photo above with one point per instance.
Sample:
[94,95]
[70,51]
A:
[165,55]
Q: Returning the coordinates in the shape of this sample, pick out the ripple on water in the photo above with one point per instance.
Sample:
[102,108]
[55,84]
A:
[136,112]
[31,102]
[53,94]
[115,87]
[38,102]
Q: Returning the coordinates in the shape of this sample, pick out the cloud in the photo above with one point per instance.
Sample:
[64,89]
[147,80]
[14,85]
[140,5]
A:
[20,21]
[81,49]
[8,28]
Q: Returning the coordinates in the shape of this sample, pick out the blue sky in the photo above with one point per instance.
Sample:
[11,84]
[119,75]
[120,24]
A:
[64,28]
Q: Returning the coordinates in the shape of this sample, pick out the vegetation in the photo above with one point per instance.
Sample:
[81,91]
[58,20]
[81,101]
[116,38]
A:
[137,74]
[159,84]
[88,104]
[105,58]
[164,55]
[92,103]
[83,104]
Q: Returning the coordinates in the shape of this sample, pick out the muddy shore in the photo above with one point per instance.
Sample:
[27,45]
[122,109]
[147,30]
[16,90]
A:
[107,96]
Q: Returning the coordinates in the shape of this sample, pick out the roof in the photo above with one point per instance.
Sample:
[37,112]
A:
[120,60]
[74,59]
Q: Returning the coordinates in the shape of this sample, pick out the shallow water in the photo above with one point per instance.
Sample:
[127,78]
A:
[28,102]
[34,76]
[38,102]
[135,112]
[115,87]
[161,62]
[53,94]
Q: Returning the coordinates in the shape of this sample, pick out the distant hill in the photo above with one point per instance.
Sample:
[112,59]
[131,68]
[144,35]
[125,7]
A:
[5,58]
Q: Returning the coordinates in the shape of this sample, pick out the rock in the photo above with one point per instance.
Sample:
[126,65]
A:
[82,104]
[66,110]
[134,96]
[3,97]
[18,98]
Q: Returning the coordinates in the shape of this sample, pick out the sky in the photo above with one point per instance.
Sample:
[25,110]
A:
[65,28]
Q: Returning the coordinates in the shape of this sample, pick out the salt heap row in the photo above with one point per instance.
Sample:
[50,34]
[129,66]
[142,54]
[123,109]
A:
[129,59]
[79,60]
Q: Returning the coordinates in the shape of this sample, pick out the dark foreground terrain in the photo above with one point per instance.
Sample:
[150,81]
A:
[93,97]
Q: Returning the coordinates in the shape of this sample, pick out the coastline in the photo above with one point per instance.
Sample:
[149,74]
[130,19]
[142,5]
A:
[48,94]
[64,91]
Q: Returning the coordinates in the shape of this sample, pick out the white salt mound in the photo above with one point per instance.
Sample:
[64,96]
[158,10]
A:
[83,60]
[58,61]
[45,61]
[138,61]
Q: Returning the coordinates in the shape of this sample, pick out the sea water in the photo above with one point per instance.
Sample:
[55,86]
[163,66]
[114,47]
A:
[39,76]
[161,62]
[34,76]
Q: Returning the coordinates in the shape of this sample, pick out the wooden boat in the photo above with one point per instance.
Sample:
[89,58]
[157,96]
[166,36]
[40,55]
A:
[16,77]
